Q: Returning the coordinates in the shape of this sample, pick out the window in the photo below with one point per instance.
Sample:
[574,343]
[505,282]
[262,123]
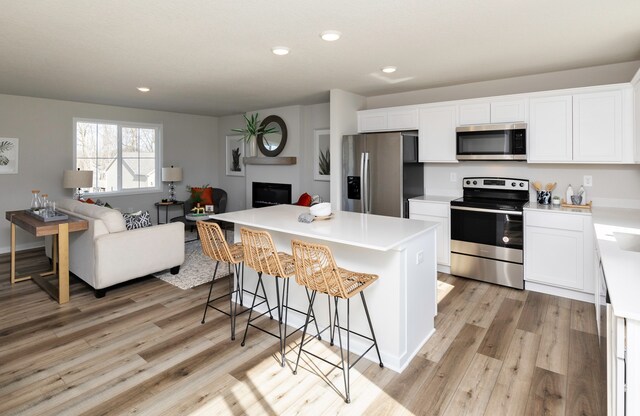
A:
[124,157]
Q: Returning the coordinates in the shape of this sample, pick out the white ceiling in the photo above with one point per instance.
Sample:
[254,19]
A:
[213,57]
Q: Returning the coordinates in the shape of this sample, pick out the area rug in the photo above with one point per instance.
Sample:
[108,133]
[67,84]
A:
[196,269]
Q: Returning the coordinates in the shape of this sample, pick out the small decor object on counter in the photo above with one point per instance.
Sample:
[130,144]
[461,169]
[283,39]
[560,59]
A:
[306,218]
[569,193]
[320,210]
[576,199]
[555,200]
[564,204]
[544,197]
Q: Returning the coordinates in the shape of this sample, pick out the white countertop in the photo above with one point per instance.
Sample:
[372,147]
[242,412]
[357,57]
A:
[440,199]
[375,232]
[534,206]
[621,267]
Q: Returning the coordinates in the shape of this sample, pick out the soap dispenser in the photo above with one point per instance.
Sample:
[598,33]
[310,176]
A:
[569,194]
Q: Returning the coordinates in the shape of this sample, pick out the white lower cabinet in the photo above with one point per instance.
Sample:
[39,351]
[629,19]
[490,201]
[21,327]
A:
[558,250]
[436,212]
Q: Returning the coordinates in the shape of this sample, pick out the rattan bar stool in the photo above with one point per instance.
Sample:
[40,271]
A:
[316,269]
[215,246]
[260,254]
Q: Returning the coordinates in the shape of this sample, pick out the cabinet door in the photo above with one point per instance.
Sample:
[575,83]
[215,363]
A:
[554,257]
[372,121]
[476,113]
[402,119]
[509,111]
[442,236]
[550,129]
[597,127]
[437,134]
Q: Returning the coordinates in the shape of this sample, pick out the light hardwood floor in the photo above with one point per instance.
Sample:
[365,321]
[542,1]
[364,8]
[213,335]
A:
[142,350]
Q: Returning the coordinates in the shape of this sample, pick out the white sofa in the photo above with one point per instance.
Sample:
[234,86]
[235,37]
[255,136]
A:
[107,253]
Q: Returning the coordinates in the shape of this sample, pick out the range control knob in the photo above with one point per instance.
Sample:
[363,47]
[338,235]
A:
[468,182]
[513,184]
[521,184]
[475,182]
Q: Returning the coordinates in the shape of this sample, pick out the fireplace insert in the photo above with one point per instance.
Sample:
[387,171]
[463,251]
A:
[266,194]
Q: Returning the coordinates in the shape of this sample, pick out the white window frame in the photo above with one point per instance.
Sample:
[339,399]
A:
[158,165]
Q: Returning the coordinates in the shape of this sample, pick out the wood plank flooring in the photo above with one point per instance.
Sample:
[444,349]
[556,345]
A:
[142,350]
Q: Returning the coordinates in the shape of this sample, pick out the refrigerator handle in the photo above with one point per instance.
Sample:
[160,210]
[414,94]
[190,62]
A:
[367,176]
[363,184]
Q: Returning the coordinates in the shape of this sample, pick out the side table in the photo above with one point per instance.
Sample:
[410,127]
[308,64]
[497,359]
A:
[38,228]
[166,206]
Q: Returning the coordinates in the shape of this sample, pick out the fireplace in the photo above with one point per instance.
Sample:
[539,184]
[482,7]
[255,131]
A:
[266,194]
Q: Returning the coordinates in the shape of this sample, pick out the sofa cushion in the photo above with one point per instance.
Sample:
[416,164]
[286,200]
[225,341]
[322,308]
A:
[112,219]
[137,220]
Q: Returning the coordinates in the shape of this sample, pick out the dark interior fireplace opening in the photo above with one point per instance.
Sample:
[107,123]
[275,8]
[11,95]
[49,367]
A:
[266,194]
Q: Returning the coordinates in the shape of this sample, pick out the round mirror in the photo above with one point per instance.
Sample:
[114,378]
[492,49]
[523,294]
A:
[274,138]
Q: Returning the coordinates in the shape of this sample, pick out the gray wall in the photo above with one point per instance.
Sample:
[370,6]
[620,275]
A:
[301,122]
[45,130]
[583,77]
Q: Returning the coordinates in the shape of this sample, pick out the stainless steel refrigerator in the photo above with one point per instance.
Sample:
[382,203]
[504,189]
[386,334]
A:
[381,172]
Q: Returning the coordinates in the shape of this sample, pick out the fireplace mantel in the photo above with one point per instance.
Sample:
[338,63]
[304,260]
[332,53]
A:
[263,160]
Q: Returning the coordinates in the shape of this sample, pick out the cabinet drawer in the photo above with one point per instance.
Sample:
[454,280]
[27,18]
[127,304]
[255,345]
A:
[429,208]
[554,220]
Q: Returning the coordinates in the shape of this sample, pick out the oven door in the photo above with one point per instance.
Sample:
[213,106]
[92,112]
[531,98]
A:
[487,233]
[490,142]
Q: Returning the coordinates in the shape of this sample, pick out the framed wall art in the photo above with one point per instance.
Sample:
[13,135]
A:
[8,155]
[234,154]
[321,155]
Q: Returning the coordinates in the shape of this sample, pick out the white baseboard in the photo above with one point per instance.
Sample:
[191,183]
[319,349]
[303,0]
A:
[444,269]
[558,291]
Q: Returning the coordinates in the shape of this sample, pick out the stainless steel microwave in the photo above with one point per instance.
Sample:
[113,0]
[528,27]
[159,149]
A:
[492,142]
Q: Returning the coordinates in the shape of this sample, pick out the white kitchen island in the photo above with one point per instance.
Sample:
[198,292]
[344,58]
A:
[402,302]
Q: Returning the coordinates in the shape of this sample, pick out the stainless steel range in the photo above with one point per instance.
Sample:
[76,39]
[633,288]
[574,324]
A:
[487,230]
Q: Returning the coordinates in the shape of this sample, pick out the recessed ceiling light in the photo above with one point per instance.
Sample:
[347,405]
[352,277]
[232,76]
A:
[144,89]
[330,35]
[389,69]
[280,50]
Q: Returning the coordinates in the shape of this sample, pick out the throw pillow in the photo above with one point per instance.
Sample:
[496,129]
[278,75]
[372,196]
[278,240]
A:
[137,220]
[205,195]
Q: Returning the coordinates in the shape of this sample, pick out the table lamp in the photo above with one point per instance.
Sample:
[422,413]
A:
[172,175]
[77,179]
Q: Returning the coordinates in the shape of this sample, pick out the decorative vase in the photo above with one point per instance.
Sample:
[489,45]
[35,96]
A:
[253,147]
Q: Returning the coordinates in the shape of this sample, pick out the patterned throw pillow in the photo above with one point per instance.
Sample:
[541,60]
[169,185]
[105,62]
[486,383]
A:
[137,220]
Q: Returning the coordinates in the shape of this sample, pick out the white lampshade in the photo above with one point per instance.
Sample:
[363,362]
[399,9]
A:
[171,174]
[77,179]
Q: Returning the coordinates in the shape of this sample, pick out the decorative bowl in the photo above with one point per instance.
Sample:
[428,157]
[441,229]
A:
[576,199]
[320,210]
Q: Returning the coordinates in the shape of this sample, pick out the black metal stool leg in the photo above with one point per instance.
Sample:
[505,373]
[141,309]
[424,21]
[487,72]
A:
[313,314]
[344,369]
[330,321]
[253,303]
[348,400]
[265,295]
[280,322]
[373,335]
[206,305]
[285,308]
[304,331]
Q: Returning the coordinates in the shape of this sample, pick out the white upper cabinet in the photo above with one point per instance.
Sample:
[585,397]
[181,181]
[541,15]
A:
[597,127]
[636,114]
[388,119]
[550,129]
[493,111]
[476,113]
[437,134]
[509,111]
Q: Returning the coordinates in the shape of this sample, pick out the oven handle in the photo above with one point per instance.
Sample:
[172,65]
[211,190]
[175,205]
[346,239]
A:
[493,211]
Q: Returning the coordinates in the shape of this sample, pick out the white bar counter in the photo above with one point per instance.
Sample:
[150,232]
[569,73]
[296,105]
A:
[402,252]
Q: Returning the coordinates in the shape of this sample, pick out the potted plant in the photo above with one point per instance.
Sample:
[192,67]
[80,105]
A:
[252,130]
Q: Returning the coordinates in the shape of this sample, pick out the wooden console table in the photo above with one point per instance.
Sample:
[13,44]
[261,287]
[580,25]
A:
[60,249]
